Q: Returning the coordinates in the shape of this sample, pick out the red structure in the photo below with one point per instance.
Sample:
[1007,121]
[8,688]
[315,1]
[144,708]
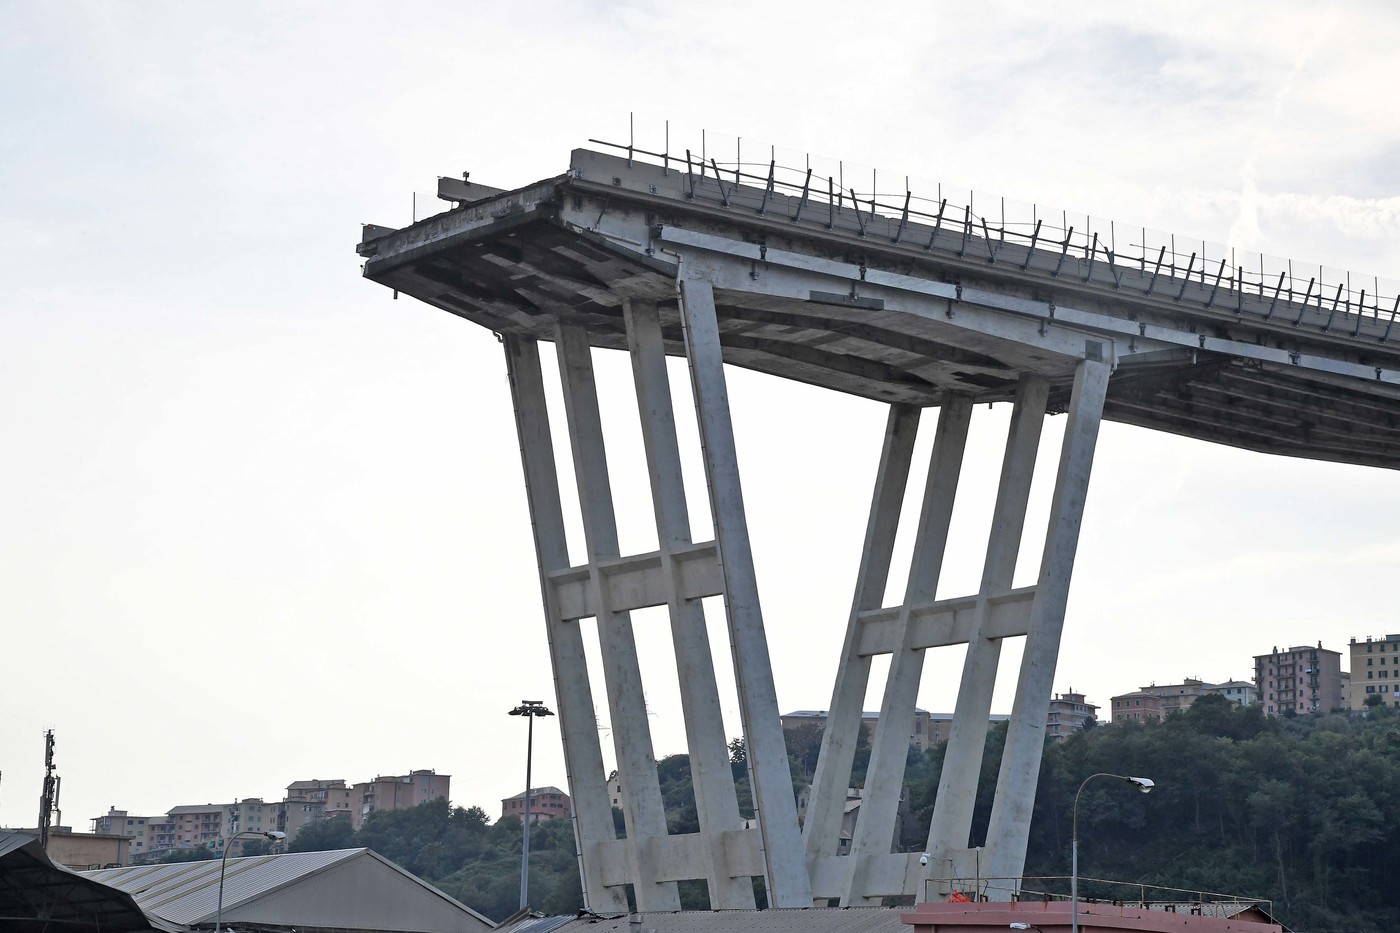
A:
[1054,917]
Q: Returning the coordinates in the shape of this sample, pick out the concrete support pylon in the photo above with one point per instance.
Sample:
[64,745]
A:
[957,786]
[785,873]
[884,776]
[716,802]
[826,802]
[583,756]
[1009,828]
[643,811]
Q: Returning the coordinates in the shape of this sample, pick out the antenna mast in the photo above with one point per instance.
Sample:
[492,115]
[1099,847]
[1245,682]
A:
[49,798]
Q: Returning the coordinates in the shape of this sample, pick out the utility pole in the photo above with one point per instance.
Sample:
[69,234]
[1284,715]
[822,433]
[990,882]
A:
[48,800]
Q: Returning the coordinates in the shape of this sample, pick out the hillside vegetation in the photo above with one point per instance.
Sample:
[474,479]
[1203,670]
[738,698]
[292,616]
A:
[1302,811]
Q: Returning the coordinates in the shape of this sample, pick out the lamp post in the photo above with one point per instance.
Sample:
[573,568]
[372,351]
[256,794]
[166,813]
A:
[529,709]
[272,834]
[1143,784]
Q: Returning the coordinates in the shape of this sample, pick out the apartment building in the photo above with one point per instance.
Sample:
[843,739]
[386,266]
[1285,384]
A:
[139,831]
[198,825]
[314,800]
[1238,692]
[1068,714]
[254,815]
[1375,671]
[1156,702]
[1303,679]
[546,803]
[397,792]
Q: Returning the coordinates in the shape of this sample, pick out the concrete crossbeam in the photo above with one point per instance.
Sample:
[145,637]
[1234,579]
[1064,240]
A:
[640,581]
[946,622]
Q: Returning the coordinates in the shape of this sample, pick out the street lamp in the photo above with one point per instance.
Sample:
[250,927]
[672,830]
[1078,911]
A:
[272,834]
[1143,784]
[529,709]
[1020,925]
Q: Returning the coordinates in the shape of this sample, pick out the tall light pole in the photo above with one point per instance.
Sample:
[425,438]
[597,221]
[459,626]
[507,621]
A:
[529,709]
[1143,784]
[272,834]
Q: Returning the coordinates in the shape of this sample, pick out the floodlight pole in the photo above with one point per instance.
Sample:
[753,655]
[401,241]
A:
[1143,784]
[271,834]
[529,709]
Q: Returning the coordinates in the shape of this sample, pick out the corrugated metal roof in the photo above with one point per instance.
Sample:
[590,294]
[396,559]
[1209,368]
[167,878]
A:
[188,892]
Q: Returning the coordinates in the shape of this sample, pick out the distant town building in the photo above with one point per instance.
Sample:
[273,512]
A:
[212,825]
[1238,692]
[1375,671]
[548,803]
[1068,713]
[139,831]
[1302,679]
[312,801]
[1156,702]
[929,728]
[397,792]
[199,825]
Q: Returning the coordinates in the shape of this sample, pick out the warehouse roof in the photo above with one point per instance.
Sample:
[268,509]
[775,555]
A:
[36,894]
[354,889]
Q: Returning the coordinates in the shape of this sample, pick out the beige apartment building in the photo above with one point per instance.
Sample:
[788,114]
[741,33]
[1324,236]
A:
[397,793]
[1156,702]
[1375,671]
[1067,715]
[315,800]
[139,831]
[1300,679]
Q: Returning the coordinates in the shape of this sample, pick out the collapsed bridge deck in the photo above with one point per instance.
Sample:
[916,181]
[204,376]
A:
[889,309]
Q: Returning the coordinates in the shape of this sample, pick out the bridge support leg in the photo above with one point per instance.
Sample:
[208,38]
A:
[826,802]
[884,778]
[951,826]
[583,755]
[716,803]
[1009,829]
[636,761]
[784,870]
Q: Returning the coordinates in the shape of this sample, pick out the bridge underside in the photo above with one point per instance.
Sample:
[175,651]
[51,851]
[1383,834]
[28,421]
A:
[654,262]
[521,272]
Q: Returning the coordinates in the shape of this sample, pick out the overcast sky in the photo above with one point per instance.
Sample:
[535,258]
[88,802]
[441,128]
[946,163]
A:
[260,522]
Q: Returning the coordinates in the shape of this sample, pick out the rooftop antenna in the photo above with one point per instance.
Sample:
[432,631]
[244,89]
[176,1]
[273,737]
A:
[49,798]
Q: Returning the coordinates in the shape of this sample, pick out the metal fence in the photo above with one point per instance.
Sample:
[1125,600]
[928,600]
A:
[1065,246]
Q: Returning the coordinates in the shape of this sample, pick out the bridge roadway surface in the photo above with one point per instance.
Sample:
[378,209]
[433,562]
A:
[881,307]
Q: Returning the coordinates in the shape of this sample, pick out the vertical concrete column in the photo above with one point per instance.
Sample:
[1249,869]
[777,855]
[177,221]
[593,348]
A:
[636,761]
[716,803]
[962,760]
[786,874]
[1009,829]
[889,752]
[826,803]
[583,755]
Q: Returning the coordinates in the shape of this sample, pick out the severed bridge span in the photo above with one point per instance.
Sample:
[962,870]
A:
[915,303]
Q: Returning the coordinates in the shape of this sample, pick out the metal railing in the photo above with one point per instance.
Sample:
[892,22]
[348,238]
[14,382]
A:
[1067,247]
[1055,888]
